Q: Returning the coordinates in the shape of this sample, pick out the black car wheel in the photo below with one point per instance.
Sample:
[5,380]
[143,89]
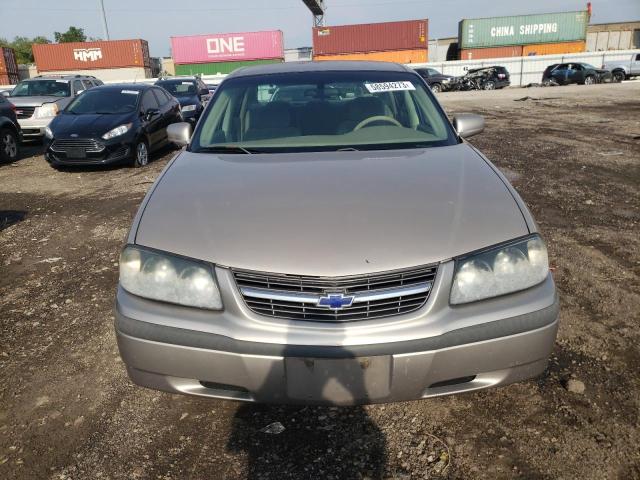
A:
[618,76]
[590,80]
[141,154]
[8,145]
[436,88]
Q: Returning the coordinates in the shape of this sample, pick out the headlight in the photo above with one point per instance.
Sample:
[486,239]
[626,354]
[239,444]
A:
[163,277]
[500,271]
[188,108]
[47,132]
[116,132]
[46,110]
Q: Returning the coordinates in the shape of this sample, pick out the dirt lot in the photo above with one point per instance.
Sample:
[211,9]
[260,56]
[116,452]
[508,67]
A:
[67,409]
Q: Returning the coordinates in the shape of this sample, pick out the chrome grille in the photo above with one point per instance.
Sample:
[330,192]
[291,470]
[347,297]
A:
[375,295]
[73,144]
[25,112]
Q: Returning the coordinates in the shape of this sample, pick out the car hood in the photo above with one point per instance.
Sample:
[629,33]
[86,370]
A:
[37,101]
[89,125]
[331,213]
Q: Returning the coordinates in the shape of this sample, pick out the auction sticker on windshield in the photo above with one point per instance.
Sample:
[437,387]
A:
[130,92]
[389,86]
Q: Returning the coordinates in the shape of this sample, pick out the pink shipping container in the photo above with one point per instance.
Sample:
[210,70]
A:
[371,37]
[227,47]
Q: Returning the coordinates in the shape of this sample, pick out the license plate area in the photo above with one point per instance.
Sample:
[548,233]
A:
[339,381]
[76,153]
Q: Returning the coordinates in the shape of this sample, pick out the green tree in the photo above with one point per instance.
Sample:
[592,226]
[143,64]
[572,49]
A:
[22,47]
[74,34]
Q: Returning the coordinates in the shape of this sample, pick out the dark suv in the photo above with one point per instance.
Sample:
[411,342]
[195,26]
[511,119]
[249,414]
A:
[436,80]
[10,134]
[192,93]
[488,78]
[580,73]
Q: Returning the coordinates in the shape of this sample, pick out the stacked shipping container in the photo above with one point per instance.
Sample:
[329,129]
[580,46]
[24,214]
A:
[108,60]
[404,42]
[544,34]
[224,53]
[8,66]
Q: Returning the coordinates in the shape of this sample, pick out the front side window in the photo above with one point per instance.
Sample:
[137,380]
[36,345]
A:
[42,88]
[148,101]
[323,111]
[97,101]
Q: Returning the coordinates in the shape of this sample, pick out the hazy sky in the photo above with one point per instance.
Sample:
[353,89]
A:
[157,20]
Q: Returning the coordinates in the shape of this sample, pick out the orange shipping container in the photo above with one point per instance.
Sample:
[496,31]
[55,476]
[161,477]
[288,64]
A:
[492,52]
[397,56]
[91,55]
[554,48]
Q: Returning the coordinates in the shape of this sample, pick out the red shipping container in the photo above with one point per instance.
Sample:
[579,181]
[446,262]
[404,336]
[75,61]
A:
[8,64]
[371,37]
[227,47]
[492,52]
[91,55]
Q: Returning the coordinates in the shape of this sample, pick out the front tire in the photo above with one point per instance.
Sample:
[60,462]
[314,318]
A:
[141,154]
[589,80]
[9,148]
[436,88]
[619,76]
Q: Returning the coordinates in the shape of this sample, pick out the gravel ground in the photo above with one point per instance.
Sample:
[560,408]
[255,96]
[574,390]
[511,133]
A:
[67,409]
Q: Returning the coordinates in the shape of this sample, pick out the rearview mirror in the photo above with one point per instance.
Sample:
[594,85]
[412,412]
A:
[468,124]
[179,133]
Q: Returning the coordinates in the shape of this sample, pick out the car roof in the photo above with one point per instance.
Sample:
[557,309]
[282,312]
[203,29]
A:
[60,77]
[327,66]
[176,79]
[123,86]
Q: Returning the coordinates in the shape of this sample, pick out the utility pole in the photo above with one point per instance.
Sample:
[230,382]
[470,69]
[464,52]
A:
[105,28]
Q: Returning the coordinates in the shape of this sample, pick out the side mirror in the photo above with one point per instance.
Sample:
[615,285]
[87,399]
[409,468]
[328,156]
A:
[79,92]
[179,133]
[6,93]
[203,91]
[150,113]
[468,124]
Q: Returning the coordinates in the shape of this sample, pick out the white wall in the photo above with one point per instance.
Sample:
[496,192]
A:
[523,70]
[526,70]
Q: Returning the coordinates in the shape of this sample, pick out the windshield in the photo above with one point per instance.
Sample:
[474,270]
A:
[177,88]
[104,101]
[322,111]
[42,88]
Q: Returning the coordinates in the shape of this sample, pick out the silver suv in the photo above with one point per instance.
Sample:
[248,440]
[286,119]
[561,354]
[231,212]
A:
[329,237]
[38,100]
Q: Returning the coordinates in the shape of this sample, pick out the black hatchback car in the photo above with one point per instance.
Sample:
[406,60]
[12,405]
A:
[111,124]
[580,73]
[192,93]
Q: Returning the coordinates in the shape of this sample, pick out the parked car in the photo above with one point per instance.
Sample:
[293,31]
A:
[485,78]
[111,124]
[577,72]
[191,92]
[10,134]
[212,87]
[353,249]
[436,80]
[38,100]
[624,69]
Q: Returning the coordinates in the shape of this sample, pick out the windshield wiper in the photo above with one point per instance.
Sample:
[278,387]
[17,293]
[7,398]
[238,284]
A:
[228,149]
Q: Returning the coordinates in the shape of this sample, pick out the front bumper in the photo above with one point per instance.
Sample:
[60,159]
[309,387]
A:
[493,343]
[115,151]
[33,128]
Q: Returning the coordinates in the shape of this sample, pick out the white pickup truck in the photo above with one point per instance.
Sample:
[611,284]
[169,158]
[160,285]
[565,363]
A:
[624,69]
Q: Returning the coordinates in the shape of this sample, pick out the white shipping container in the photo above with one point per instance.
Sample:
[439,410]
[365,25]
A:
[130,74]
